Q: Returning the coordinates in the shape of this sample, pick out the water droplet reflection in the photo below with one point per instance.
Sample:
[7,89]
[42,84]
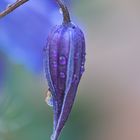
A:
[62,60]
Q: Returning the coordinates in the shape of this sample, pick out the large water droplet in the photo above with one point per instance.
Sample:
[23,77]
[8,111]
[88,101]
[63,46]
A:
[49,99]
[62,60]
[62,74]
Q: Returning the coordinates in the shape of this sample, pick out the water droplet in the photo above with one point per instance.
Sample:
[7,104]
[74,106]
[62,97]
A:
[82,69]
[60,11]
[54,64]
[83,62]
[49,99]
[62,74]
[62,60]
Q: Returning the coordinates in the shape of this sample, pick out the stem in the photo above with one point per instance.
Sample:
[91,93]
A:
[66,15]
[12,7]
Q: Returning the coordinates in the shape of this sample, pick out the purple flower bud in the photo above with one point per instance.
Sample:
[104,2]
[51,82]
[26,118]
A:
[64,58]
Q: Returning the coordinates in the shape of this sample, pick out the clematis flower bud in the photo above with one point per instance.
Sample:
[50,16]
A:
[64,60]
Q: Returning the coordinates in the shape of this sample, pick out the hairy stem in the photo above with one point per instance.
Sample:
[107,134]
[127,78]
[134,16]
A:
[66,15]
[12,7]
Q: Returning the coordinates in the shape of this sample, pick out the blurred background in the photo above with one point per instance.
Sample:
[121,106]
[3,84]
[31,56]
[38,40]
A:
[107,106]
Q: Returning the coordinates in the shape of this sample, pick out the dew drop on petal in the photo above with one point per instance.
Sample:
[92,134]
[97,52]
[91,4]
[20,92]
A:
[82,69]
[83,63]
[54,64]
[62,60]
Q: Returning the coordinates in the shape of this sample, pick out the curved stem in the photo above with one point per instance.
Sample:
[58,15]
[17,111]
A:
[66,15]
[12,7]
